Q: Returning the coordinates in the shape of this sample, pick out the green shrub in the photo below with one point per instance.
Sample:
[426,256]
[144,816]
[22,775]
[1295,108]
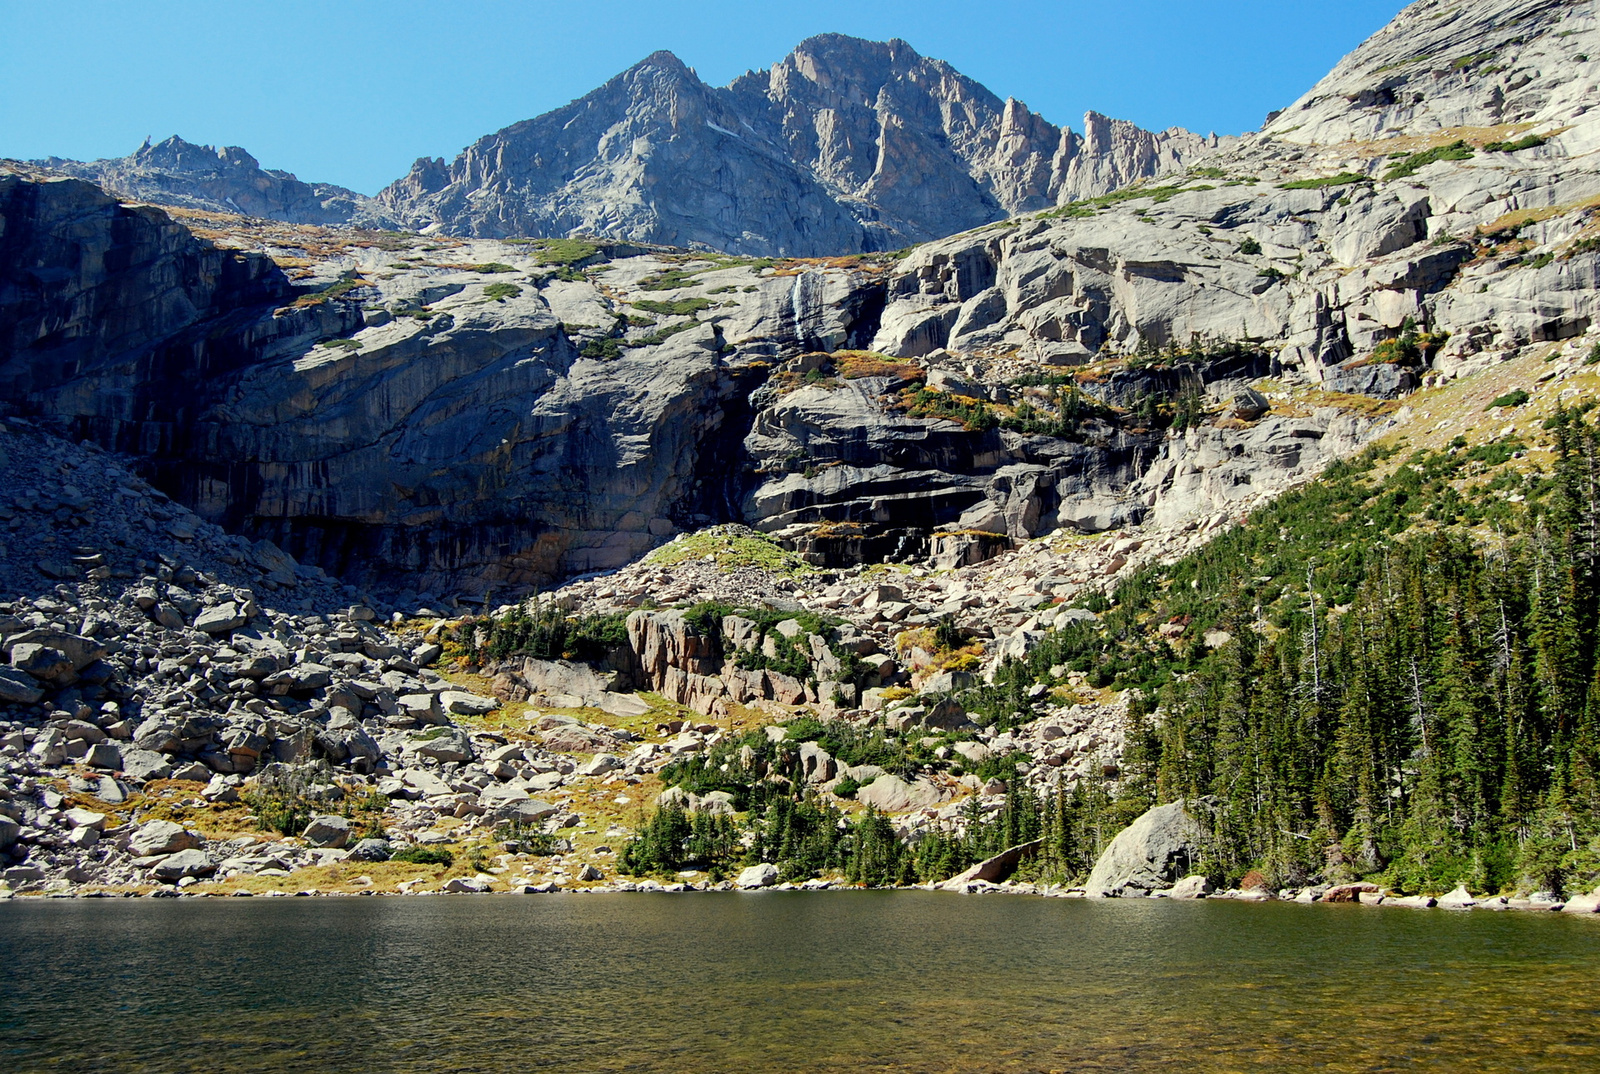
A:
[281,801]
[527,838]
[499,292]
[544,632]
[602,348]
[1249,247]
[661,335]
[1516,398]
[420,855]
[678,308]
[1531,141]
[493,267]
[669,280]
[1586,245]
[1411,347]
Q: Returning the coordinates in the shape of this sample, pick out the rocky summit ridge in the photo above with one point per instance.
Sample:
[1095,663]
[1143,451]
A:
[223,180]
[260,474]
[844,146]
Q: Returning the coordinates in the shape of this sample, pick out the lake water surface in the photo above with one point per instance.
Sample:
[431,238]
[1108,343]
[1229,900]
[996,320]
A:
[868,981]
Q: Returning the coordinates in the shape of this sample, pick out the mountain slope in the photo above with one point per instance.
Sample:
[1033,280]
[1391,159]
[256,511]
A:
[1441,65]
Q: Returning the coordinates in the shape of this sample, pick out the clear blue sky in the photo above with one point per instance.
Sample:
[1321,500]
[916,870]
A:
[352,91]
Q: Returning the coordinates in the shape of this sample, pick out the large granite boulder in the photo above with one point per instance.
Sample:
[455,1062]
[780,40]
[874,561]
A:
[1150,854]
[891,794]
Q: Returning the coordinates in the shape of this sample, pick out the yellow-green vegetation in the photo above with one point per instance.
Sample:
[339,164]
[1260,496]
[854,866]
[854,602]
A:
[1090,206]
[854,365]
[730,548]
[1521,218]
[499,291]
[179,801]
[1463,63]
[975,415]
[838,366]
[347,877]
[1359,404]
[949,648]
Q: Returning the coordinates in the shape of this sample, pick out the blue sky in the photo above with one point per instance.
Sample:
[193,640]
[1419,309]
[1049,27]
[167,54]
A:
[352,91]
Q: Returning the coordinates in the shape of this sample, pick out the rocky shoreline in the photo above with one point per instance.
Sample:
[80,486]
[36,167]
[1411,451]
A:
[1321,894]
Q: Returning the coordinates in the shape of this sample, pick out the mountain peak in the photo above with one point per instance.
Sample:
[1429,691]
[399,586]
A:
[844,145]
[661,60]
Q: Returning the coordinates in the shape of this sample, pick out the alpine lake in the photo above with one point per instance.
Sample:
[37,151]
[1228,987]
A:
[789,981]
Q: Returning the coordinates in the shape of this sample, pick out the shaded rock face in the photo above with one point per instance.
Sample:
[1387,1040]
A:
[94,288]
[481,437]
[871,465]
[225,180]
[846,145]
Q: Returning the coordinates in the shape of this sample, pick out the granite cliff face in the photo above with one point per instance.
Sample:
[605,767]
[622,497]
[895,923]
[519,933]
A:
[844,146]
[225,180]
